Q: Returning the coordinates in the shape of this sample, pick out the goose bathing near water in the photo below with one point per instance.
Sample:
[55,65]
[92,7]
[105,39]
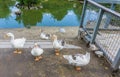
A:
[16,43]
[78,60]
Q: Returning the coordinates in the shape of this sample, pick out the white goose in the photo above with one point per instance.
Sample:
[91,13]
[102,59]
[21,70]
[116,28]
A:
[93,47]
[16,43]
[78,60]
[99,53]
[57,45]
[44,36]
[37,52]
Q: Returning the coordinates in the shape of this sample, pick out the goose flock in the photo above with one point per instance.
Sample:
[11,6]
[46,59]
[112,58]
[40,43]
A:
[75,60]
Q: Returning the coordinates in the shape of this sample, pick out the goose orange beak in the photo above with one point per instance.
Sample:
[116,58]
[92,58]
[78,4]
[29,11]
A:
[5,36]
[53,38]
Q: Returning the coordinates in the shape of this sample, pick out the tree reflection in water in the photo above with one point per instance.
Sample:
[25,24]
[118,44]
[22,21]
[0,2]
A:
[58,9]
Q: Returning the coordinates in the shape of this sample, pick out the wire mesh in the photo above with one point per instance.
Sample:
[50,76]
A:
[109,35]
[90,19]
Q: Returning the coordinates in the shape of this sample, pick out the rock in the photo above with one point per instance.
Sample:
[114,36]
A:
[106,68]
[19,73]
[62,30]
[18,13]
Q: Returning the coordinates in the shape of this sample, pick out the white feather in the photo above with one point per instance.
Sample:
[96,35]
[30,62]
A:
[43,36]
[99,53]
[36,51]
[16,43]
[57,44]
[93,47]
[80,59]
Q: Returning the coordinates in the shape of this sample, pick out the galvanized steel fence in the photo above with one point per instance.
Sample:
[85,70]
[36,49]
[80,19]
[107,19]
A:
[103,28]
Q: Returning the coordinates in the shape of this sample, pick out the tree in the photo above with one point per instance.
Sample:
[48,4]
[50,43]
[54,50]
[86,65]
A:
[4,8]
[28,3]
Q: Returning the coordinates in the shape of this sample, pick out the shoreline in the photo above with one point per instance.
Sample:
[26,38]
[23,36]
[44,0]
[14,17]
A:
[34,32]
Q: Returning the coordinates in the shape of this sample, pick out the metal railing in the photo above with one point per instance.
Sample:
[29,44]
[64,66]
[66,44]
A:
[103,28]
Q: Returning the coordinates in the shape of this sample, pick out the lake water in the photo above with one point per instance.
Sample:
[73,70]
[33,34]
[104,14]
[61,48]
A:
[53,13]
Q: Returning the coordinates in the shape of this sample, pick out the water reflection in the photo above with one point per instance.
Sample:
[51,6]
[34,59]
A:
[91,16]
[4,8]
[68,20]
[53,14]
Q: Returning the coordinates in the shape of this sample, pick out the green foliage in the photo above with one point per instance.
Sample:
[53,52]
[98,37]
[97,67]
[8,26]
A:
[4,8]
[54,7]
[29,2]
[117,8]
[30,17]
[57,8]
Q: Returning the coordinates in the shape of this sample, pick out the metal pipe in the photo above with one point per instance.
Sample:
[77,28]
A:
[97,25]
[104,8]
[83,13]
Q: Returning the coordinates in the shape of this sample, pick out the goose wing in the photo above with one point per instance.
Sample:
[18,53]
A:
[19,42]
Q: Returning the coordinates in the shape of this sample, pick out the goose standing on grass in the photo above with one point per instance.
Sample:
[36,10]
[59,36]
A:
[16,43]
[57,45]
[78,60]
[37,52]
[44,36]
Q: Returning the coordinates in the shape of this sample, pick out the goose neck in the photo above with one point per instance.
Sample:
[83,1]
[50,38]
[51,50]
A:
[12,37]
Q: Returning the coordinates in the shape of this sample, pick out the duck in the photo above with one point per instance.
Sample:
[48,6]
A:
[44,36]
[37,52]
[99,53]
[16,43]
[81,32]
[78,60]
[93,47]
[57,45]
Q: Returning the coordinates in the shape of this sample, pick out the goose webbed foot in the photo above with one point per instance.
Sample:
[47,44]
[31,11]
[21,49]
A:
[38,58]
[17,51]
[77,68]
[57,52]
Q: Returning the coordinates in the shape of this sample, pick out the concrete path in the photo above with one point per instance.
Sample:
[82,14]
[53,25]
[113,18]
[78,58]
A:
[30,43]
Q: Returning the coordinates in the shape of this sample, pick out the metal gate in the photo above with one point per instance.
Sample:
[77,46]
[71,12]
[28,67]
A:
[102,26]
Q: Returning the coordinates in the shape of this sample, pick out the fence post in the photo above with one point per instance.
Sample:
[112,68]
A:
[107,22]
[100,15]
[83,13]
[116,61]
